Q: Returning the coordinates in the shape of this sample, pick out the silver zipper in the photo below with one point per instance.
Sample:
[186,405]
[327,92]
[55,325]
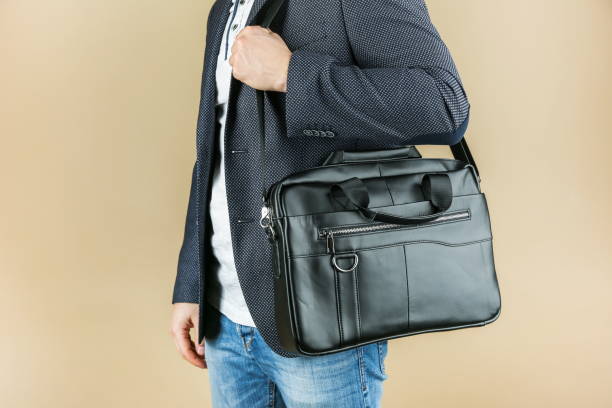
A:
[326,232]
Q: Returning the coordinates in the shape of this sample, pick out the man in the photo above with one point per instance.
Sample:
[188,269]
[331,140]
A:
[340,75]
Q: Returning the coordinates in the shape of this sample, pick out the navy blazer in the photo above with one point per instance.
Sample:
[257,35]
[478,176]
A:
[364,74]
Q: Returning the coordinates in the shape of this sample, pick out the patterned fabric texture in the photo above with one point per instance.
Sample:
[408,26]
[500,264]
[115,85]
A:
[363,75]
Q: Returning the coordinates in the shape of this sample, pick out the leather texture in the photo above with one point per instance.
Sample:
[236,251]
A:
[365,75]
[387,280]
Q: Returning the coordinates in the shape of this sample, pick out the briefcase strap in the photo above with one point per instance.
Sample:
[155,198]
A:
[460,151]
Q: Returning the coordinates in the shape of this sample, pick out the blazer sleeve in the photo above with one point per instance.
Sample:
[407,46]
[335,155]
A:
[404,86]
[187,284]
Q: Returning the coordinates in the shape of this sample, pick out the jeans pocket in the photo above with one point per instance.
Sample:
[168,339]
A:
[381,346]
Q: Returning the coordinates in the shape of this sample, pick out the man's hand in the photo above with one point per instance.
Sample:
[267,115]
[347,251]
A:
[260,59]
[185,317]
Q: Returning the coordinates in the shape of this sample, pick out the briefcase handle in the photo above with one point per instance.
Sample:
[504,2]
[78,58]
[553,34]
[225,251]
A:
[436,187]
[345,156]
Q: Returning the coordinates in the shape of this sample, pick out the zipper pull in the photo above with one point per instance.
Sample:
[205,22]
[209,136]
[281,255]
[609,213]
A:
[266,222]
[331,247]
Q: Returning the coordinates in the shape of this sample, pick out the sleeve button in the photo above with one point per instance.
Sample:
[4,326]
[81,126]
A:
[307,132]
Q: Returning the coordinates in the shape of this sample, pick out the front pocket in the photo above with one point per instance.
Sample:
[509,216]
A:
[451,286]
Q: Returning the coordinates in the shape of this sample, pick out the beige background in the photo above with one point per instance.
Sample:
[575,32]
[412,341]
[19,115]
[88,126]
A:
[98,104]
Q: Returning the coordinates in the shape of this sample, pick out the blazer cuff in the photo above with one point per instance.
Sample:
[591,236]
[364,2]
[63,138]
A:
[304,93]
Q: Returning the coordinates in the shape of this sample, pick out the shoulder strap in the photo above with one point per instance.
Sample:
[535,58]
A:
[269,11]
[460,151]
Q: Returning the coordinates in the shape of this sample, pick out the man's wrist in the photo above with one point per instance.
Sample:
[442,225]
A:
[281,84]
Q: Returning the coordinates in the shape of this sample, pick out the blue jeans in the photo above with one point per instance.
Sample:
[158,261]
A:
[244,372]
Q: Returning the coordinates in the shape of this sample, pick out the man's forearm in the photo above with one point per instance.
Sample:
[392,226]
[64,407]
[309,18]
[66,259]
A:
[394,103]
[403,85]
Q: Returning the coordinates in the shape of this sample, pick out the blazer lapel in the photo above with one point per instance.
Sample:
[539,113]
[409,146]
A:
[217,20]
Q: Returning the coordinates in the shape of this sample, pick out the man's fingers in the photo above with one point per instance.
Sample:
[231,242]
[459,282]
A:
[199,347]
[248,29]
[201,355]
[252,29]
[187,348]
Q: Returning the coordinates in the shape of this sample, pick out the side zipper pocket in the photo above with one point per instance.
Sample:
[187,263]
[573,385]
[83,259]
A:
[345,230]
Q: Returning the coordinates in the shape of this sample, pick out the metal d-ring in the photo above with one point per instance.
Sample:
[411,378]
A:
[355,262]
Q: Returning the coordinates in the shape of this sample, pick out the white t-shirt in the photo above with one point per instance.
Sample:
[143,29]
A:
[223,290]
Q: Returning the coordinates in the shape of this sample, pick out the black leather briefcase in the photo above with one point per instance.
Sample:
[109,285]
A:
[408,258]
[378,245]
